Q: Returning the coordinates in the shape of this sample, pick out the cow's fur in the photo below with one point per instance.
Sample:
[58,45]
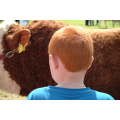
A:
[104,74]
[30,69]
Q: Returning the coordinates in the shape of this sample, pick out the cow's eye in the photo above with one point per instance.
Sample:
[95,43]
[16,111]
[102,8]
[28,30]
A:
[9,33]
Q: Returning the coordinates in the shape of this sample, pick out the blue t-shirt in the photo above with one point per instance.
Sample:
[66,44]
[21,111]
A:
[59,93]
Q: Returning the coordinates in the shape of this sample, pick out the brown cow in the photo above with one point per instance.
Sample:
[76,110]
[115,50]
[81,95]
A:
[29,69]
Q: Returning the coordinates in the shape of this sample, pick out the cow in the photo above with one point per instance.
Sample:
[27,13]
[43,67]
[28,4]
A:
[21,72]
[24,64]
[105,21]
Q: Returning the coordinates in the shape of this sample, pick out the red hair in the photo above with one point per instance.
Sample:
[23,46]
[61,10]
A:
[73,46]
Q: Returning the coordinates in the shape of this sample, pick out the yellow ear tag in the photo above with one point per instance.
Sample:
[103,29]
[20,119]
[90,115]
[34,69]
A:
[20,48]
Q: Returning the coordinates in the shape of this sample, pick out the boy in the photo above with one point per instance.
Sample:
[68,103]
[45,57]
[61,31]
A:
[70,55]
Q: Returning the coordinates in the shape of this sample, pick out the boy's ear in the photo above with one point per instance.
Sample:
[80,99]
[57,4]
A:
[19,40]
[54,61]
[91,62]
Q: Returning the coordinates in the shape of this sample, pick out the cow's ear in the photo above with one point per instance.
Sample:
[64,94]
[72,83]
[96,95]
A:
[24,36]
[20,40]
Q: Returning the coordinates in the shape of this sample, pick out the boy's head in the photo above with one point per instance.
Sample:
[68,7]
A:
[73,46]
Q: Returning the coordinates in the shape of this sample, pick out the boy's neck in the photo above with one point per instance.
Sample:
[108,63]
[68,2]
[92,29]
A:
[70,85]
[71,81]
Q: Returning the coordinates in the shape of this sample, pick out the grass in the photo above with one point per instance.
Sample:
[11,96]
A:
[8,96]
[81,23]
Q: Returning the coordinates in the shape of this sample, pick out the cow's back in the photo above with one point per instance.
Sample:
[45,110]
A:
[104,73]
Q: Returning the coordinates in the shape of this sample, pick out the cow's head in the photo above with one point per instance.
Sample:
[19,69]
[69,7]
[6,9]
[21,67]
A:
[13,37]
